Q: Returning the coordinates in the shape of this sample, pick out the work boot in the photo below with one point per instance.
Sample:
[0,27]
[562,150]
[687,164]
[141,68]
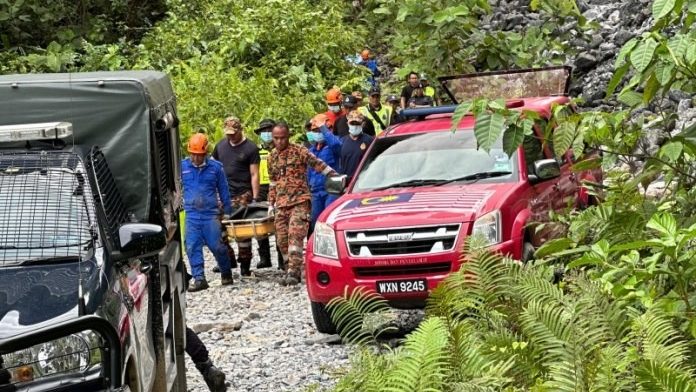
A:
[214,377]
[226,279]
[244,268]
[264,263]
[198,285]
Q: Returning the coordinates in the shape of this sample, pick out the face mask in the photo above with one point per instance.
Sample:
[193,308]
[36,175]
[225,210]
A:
[310,137]
[266,137]
[355,130]
[318,137]
[335,108]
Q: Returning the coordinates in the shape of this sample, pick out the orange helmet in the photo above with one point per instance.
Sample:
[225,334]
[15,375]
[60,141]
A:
[198,144]
[365,54]
[333,96]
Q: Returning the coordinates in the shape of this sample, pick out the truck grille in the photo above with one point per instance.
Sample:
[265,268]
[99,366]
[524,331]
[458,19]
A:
[402,241]
[398,270]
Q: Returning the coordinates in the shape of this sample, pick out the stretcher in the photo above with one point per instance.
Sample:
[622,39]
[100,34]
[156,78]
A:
[249,222]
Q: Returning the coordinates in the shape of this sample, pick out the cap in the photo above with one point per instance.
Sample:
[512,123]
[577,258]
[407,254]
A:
[355,117]
[264,124]
[375,91]
[423,76]
[232,125]
[358,95]
[393,98]
[350,101]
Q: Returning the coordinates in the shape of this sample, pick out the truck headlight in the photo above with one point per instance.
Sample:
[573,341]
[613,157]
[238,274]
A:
[70,354]
[487,230]
[325,241]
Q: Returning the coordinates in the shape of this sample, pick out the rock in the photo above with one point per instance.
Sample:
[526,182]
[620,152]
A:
[678,96]
[584,62]
[253,316]
[323,339]
[227,327]
[622,36]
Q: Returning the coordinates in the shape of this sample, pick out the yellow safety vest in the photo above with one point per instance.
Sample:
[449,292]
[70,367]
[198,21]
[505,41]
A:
[429,91]
[384,114]
[264,179]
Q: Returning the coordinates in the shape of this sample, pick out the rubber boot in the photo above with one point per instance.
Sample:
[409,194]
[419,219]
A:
[214,377]
[264,253]
[245,267]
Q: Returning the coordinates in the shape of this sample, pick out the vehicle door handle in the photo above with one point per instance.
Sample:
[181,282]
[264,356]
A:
[145,266]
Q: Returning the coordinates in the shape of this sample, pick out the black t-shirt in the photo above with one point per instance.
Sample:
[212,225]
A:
[236,161]
[352,152]
[341,127]
[421,101]
[407,91]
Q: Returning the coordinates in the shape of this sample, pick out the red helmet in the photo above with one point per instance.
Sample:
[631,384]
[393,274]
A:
[198,144]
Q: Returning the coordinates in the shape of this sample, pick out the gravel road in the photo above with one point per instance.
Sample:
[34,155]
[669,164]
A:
[261,334]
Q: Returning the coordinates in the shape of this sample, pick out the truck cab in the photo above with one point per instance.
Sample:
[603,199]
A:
[92,279]
[422,190]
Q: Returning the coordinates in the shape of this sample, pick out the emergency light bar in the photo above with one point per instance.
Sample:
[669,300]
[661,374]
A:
[38,131]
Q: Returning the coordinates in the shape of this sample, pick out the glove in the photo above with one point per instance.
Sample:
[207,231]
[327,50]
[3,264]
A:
[271,211]
[226,217]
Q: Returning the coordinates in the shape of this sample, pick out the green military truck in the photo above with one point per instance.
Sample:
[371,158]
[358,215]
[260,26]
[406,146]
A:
[92,279]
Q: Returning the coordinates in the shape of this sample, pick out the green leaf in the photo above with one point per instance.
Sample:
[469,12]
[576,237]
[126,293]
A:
[587,164]
[664,223]
[462,110]
[625,50]
[497,104]
[664,72]
[488,129]
[678,46]
[692,6]
[382,11]
[630,98]
[650,89]
[662,8]
[563,137]
[672,151]
[643,54]
[512,138]
[616,79]
[691,52]
[553,246]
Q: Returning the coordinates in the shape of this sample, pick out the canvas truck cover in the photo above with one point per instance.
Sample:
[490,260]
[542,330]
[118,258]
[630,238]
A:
[112,110]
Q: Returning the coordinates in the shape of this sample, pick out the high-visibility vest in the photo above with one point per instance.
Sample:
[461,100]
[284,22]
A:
[384,114]
[264,179]
[429,91]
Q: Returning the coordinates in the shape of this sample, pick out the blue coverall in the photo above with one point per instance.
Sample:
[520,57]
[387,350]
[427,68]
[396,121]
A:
[372,66]
[202,186]
[329,153]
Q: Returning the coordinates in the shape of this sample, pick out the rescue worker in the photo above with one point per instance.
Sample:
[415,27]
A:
[428,90]
[240,159]
[370,64]
[419,99]
[333,102]
[327,147]
[407,91]
[359,96]
[204,182]
[264,132]
[289,198]
[354,145]
[341,127]
[214,378]
[376,113]
[393,102]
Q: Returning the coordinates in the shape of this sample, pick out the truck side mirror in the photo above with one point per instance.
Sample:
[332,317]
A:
[545,169]
[140,240]
[336,185]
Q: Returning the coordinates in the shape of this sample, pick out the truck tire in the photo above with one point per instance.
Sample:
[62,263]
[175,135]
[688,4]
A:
[322,319]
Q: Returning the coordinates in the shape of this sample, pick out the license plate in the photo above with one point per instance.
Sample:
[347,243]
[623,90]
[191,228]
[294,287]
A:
[402,286]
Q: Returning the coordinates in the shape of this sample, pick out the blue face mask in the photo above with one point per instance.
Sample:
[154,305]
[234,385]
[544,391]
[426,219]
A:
[318,137]
[355,130]
[310,137]
[266,137]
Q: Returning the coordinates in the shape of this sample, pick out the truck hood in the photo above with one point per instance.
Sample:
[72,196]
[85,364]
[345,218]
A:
[36,296]
[404,206]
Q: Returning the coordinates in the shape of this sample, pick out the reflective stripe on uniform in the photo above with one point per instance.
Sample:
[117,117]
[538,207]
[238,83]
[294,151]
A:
[384,114]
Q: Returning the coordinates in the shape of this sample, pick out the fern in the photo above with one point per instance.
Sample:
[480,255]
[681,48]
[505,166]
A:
[357,315]
[656,378]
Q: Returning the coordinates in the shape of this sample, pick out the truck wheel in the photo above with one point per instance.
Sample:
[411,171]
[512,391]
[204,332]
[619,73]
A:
[322,319]
[527,252]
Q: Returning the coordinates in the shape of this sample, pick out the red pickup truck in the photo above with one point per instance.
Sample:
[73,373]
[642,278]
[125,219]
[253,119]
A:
[421,190]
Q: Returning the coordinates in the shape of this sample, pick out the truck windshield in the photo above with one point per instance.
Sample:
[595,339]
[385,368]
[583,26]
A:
[45,211]
[429,158]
